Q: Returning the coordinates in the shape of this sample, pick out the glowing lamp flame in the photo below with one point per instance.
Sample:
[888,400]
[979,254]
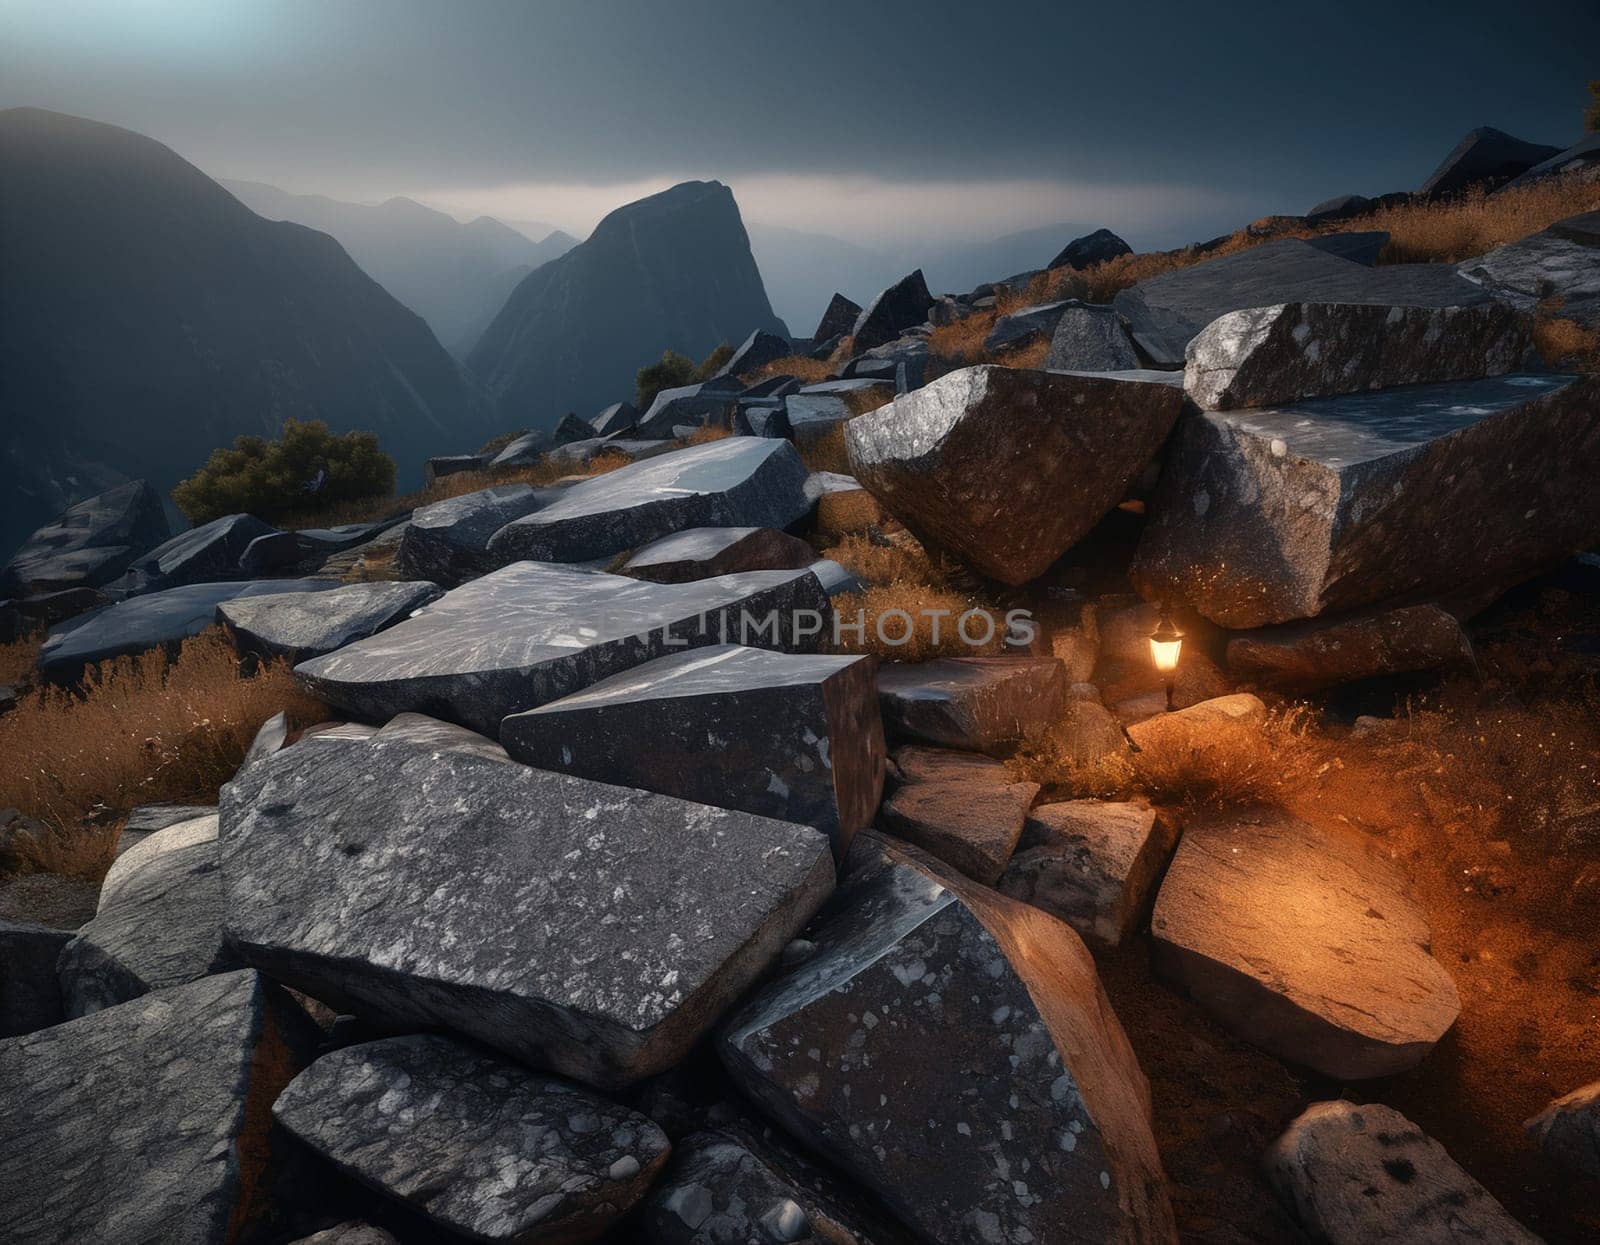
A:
[1166,643]
[1165,654]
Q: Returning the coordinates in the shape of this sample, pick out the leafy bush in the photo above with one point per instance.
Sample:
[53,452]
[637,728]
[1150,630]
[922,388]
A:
[306,470]
[668,372]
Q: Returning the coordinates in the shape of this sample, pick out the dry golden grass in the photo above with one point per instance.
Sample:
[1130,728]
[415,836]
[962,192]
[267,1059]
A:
[1460,228]
[827,452]
[144,730]
[1566,343]
[799,366]
[961,344]
[709,433]
[18,659]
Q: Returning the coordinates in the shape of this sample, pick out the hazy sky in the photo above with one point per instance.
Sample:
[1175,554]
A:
[867,120]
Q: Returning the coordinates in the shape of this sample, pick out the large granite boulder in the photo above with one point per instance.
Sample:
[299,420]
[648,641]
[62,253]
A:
[523,451]
[89,544]
[1093,863]
[838,319]
[1561,262]
[1164,313]
[1353,1173]
[793,737]
[974,462]
[205,554]
[1089,338]
[962,808]
[378,877]
[1319,653]
[902,306]
[703,552]
[1568,1130]
[1324,506]
[755,352]
[733,482]
[616,418]
[568,429]
[982,704]
[532,633]
[1485,157]
[301,625]
[149,1122]
[1302,943]
[448,542]
[1089,250]
[709,403]
[156,620]
[952,1050]
[479,1145]
[30,997]
[1262,356]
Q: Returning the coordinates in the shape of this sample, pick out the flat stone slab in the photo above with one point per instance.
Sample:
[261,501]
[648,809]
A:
[734,482]
[1568,1130]
[1325,506]
[1355,1173]
[301,625]
[963,459]
[702,552]
[88,544]
[478,1144]
[532,633]
[1026,325]
[970,820]
[1093,863]
[709,402]
[813,417]
[148,1121]
[582,453]
[1310,656]
[1263,356]
[30,999]
[1302,944]
[1198,725]
[982,704]
[1562,262]
[952,1050]
[793,737]
[156,620]
[312,546]
[203,554]
[448,542]
[378,878]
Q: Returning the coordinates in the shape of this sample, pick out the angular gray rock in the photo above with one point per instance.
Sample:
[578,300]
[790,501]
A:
[902,306]
[312,546]
[1353,1173]
[180,1082]
[1164,313]
[618,417]
[702,552]
[813,417]
[479,1145]
[523,451]
[968,815]
[1263,356]
[1486,156]
[532,633]
[156,620]
[1340,207]
[582,453]
[568,429]
[1325,506]
[1302,943]
[437,468]
[30,998]
[1090,338]
[1561,262]
[982,704]
[952,1050]
[18,618]
[755,352]
[88,544]
[793,737]
[1310,656]
[145,820]
[1026,325]
[902,363]
[1568,1130]
[378,877]
[205,554]
[1091,249]
[1582,156]
[974,461]
[1092,863]
[734,482]
[302,625]
[772,387]
[838,319]
[708,403]
[448,542]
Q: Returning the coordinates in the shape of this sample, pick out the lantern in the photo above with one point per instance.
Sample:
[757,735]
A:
[1166,642]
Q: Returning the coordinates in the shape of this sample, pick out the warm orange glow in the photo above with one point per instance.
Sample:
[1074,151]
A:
[1165,654]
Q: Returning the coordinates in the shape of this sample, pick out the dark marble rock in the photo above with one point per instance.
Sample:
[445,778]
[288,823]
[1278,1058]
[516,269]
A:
[982,704]
[89,544]
[793,737]
[523,451]
[858,385]
[302,625]
[1561,262]
[1486,156]
[1352,1174]
[1263,356]
[969,816]
[145,820]
[437,468]
[569,429]
[1359,248]
[1568,1130]
[178,1085]
[1320,653]
[618,417]
[813,417]
[1165,312]
[952,1050]
[1091,249]
[836,580]
[479,1145]
[733,482]
[423,731]
[1329,505]
[582,453]
[278,551]
[1582,156]
[902,362]
[838,319]
[900,307]
[351,1232]
[772,387]
[448,541]
[156,620]
[1093,863]
[755,352]
[206,554]
[532,633]
[973,462]
[378,878]
[1340,207]
[30,998]
[707,403]
[1025,326]
[1089,338]
[702,552]
[1302,943]
[19,618]
[761,417]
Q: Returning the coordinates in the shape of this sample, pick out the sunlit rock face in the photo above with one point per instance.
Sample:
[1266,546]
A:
[300,625]
[702,552]
[1289,512]
[952,1050]
[1563,260]
[594,930]
[88,544]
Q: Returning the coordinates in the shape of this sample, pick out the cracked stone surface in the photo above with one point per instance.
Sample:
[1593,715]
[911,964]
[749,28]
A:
[702,552]
[973,462]
[448,542]
[952,1050]
[1302,943]
[480,1145]
[1354,1174]
[963,809]
[981,704]
[301,625]
[1309,656]
[182,1080]
[1568,1130]
[1323,506]
[380,879]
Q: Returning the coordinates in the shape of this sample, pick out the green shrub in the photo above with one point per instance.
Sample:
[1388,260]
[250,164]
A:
[306,470]
[668,372]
